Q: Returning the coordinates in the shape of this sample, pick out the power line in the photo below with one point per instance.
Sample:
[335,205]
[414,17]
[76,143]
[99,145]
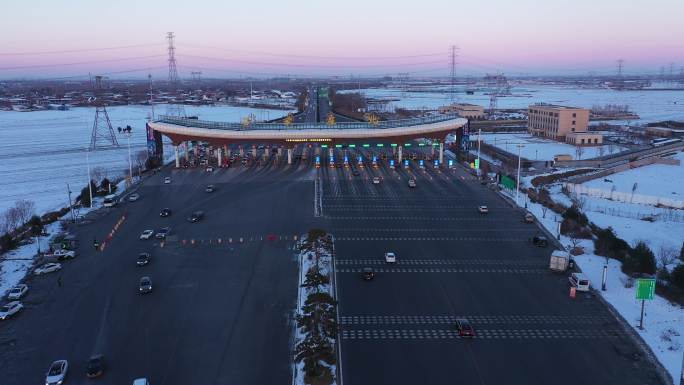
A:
[78,63]
[307,65]
[77,50]
[313,56]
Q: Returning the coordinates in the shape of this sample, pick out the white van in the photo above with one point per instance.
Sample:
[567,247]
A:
[110,200]
[579,281]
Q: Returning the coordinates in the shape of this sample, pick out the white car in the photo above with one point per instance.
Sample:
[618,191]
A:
[17,292]
[210,169]
[390,257]
[64,254]
[376,180]
[48,268]
[57,372]
[10,309]
[483,209]
[147,234]
[133,197]
[167,180]
[412,183]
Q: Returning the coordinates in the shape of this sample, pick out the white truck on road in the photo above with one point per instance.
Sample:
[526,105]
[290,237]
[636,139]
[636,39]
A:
[560,260]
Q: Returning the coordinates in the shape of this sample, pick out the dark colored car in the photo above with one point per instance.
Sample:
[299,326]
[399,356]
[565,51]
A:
[210,188]
[165,212]
[145,285]
[196,216]
[539,240]
[95,366]
[143,259]
[356,173]
[465,329]
[162,233]
[367,273]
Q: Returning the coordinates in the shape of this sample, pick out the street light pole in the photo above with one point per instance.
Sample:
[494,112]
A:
[90,183]
[130,168]
[517,188]
[71,207]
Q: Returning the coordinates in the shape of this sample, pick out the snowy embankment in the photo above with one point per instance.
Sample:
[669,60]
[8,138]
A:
[318,255]
[663,331]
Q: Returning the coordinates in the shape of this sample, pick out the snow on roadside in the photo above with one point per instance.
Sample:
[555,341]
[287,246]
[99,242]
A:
[15,264]
[663,331]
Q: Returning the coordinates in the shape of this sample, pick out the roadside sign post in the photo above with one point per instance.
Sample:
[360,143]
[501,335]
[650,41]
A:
[645,291]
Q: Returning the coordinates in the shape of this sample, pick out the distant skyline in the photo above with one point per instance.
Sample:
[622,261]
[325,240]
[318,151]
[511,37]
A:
[71,38]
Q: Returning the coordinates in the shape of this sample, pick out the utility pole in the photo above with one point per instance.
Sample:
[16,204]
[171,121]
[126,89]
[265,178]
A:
[90,183]
[517,187]
[71,207]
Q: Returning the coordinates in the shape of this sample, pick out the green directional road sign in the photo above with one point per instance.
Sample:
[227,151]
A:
[477,163]
[508,182]
[645,288]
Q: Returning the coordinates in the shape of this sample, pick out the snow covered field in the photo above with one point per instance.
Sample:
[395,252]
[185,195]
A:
[666,181]
[649,105]
[41,151]
[536,148]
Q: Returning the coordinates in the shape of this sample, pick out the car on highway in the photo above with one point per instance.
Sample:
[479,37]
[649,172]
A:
[141,381]
[356,172]
[390,257]
[57,372]
[483,209]
[63,254]
[10,309]
[133,197]
[143,259]
[145,285]
[165,212]
[48,268]
[147,234]
[95,366]
[17,291]
[167,180]
[196,216]
[376,180]
[539,240]
[367,273]
[210,188]
[465,329]
[162,233]
[411,183]
[209,169]
[529,218]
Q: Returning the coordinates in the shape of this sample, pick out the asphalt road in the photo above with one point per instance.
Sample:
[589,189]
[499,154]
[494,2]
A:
[221,313]
[454,262]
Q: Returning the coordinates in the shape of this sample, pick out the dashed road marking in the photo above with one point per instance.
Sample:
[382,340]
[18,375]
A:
[475,319]
[446,270]
[455,261]
[469,239]
[447,334]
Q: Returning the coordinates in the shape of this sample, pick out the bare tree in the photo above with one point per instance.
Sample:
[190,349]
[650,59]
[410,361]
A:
[24,210]
[579,150]
[10,220]
[544,209]
[666,256]
[601,150]
[578,201]
[98,173]
[141,157]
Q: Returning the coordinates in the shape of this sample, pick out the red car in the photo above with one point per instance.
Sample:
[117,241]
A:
[465,329]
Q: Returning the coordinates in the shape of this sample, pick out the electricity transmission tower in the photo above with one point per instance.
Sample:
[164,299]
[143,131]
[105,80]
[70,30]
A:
[452,93]
[102,126]
[173,109]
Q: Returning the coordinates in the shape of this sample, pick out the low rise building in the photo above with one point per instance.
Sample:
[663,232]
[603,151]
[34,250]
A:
[562,123]
[465,110]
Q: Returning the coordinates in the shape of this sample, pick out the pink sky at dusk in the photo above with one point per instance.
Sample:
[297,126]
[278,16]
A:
[353,37]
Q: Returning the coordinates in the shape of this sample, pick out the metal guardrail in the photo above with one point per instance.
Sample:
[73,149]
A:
[303,126]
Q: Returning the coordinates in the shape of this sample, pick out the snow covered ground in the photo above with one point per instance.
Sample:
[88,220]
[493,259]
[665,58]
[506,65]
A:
[42,151]
[663,331]
[651,106]
[661,180]
[536,148]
